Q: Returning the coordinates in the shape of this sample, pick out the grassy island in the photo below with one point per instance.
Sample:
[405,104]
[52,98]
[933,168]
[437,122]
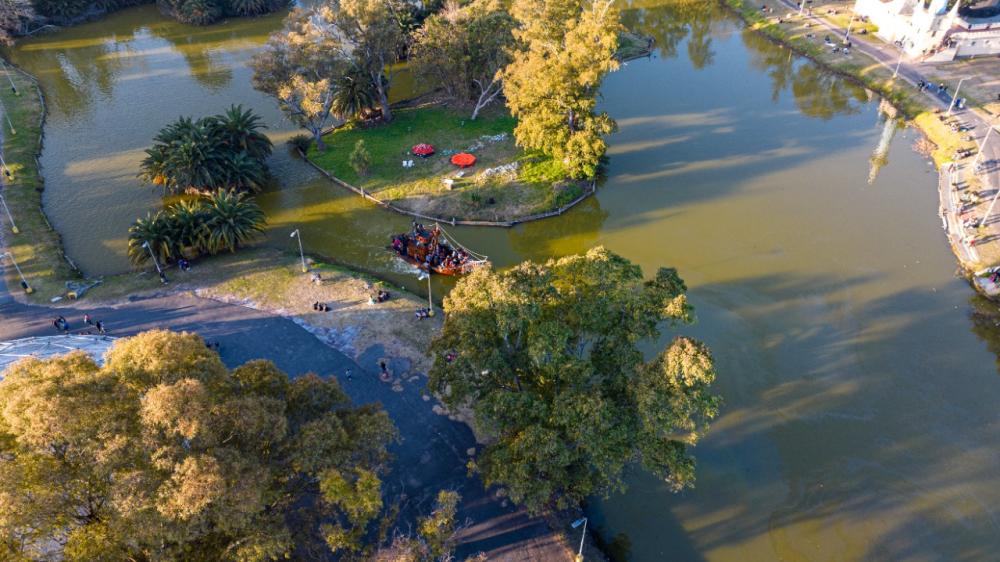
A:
[505,183]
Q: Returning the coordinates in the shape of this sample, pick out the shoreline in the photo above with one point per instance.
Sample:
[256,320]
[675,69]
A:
[952,176]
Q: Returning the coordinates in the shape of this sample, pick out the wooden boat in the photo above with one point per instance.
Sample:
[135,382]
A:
[430,250]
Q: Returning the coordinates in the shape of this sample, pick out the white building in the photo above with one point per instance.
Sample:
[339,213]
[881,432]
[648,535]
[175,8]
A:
[932,31]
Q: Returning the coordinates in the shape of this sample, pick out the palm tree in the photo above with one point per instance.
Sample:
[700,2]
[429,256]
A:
[354,95]
[232,219]
[158,231]
[241,131]
[243,173]
[190,231]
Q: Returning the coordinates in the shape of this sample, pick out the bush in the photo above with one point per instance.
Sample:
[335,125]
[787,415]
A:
[301,142]
[360,159]
[204,12]
[225,220]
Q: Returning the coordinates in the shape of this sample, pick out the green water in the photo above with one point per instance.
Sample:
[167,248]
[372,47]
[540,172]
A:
[860,419]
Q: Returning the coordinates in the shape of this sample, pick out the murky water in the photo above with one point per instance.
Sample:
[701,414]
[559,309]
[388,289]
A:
[860,419]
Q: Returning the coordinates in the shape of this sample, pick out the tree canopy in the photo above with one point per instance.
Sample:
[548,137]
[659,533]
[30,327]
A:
[463,50]
[565,48]
[226,151]
[547,356]
[163,453]
[333,60]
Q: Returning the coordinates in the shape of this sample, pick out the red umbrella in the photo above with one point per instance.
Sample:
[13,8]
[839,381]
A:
[423,150]
[463,159]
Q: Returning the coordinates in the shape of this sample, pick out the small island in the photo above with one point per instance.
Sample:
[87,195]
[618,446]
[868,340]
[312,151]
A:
[504,184]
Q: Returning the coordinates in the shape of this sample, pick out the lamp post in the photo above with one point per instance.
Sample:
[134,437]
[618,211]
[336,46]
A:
[849,25]
[24,282]
[955,97]
[13,227]
[430,303]
[298,236]
[163,277]
[577,523]
[7,115]
[895,73]
[6,170]
[975,162]
[13,88]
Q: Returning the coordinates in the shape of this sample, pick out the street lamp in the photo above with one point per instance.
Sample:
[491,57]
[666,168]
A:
[163,277]
[24,282]
[982,145]
[13,88]
[13,227]
[430,303]
[295,234]
[955,97]
[895,73]
[7,115]
[849,25]
[583,535]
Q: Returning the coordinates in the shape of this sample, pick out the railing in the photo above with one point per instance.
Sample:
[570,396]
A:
[452,221]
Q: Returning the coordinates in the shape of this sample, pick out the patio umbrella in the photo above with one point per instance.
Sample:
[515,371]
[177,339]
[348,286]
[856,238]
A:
[423,150]
[463,159]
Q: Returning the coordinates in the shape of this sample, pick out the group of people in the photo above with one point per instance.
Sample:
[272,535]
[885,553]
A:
[62,325]
[427,248]
[321,307]
[423,313]
[377,295]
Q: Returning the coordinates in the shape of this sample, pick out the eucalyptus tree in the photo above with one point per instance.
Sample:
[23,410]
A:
[162,453]
[547,357]
[565,48]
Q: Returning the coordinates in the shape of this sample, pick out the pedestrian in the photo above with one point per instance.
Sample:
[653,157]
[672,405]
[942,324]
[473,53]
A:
[349,374]
[58,324]
[385,371]
[100,327]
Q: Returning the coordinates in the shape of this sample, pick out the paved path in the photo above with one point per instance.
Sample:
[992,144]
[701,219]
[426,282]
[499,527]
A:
[431,457]
[914,72]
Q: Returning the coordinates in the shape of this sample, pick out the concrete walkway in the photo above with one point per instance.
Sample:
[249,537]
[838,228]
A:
[431,457]
[914,72]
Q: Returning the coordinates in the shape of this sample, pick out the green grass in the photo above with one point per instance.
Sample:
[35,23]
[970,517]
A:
[390,144]
[538,186]
[37,248]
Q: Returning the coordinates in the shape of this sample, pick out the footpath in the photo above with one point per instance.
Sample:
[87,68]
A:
[966,190]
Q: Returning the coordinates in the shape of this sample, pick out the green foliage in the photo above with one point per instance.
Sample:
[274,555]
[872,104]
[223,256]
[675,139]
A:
[438,529]
[204,12]
[551,85]
[301,142]
[165,454]
[232,219]
[463,49]
[222,151]
[547,356]
[225,220]
[360,159]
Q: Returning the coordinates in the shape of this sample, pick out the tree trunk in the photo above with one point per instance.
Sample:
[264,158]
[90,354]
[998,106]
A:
[383,101]
[318,138]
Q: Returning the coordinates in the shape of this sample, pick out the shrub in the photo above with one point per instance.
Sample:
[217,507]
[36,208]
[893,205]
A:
[301,142]
[225,220]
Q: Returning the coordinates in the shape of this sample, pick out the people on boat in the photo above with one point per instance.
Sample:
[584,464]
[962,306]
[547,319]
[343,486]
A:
[428,249]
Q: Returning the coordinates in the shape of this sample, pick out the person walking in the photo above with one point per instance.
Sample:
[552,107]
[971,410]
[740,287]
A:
[100,328]
[88,320]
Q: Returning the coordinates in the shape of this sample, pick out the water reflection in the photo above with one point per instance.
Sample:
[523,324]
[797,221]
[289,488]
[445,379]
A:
[670,22]
[817,93]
